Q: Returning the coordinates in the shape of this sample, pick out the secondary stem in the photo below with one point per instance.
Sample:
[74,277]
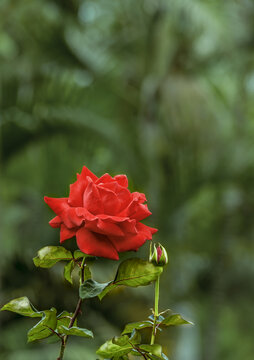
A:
[156,308]
[75,315]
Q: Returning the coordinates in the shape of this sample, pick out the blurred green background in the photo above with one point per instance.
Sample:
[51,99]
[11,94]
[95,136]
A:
[164,92]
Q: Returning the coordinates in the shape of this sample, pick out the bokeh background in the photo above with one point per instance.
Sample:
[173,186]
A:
[164,92]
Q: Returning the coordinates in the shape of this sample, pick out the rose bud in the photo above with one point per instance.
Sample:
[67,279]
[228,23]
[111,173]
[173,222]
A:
[159,255]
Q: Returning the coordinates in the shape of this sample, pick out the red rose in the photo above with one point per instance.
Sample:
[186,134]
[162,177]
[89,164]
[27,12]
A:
[103,214]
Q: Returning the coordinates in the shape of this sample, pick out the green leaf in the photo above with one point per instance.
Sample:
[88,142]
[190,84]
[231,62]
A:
[120,340]
[108,288]
[137,325]
[151,349]
[50,255]
[64,319]
[175,319]
[43,328]
[22,306]
[74,330]
[118,346]
[134,272]
[91,288]
[68,271]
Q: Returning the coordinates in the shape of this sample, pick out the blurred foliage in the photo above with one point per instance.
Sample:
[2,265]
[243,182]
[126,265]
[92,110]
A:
[162,91]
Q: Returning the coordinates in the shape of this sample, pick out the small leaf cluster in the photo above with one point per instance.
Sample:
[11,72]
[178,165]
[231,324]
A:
[130,340]
[120,347]
[50,323]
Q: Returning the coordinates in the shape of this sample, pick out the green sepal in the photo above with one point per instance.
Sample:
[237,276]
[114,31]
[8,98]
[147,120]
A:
[137,326]
[119,346]
[175,319]
[133,272]
[68,271]
[43,328]
[91,288]
[22,306]
[48,256]
[74,330]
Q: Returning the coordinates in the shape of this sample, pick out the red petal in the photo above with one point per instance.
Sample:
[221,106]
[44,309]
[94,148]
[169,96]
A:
[91,199]
[122,180]
[129,227]
[58,205]
[77,189]
[109,200]
[86,172]
[106,178]
[66,213]
[55,222]
[95,244]
[66,233]
[140,212]
[133,242]
[129,242]
[104,227]
[139,197]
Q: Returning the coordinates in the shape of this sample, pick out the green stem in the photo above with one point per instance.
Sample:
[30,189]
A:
[75,315]
[156,308]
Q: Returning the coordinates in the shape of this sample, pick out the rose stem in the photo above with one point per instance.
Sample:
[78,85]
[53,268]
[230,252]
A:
[156,308]
[75,315]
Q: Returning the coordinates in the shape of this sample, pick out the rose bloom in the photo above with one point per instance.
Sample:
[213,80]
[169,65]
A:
[103,215]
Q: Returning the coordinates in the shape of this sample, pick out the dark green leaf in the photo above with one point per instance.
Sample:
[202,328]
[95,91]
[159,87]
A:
[137,325]
[50,255]
[68,271]
[74,330]
[175,319]
[91,288]
[23,307]
[43,328]
[134,272]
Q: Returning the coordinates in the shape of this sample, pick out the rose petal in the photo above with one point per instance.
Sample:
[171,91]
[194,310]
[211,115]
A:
[78,187]
[106,178]
[66,233]
[55,222]
[109,200]
[133,242]
[122,180]
[95,244]
[91,199]
[140,212]
[104,227]
[58,205]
